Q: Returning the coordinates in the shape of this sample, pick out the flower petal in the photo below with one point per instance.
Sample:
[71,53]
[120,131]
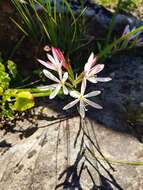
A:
[74,94]
[71,104]
[93,93]
[47,64]
[65,90]
[93,104]
[82,109]
[65,76]
[96,69]
[92,79]
[49,75]
[126,30]
[83,86]
[103,79]
[55,92]
[90,62]
[136,35]
[55,54]
[60,73]
[55,63]
[139,42]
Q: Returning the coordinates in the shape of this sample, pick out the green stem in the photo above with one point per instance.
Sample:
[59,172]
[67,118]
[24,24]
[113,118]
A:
[41,94]
[105,159]
[35,92]
[46,93]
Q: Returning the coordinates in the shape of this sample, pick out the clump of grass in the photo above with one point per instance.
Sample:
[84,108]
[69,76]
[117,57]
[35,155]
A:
[43,23]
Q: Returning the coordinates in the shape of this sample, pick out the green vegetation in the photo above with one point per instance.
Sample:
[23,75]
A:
[126,5]
[44,25]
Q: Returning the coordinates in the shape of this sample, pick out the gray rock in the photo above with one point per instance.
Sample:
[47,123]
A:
[69,155]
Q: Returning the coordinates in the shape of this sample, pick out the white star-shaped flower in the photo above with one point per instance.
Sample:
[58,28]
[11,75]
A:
[60,83]
[91,70]
[83,100]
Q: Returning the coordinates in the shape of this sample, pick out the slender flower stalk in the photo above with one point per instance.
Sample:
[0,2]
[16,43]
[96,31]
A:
[82,99]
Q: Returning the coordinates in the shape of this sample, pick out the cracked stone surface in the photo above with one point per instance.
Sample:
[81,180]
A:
[69,154]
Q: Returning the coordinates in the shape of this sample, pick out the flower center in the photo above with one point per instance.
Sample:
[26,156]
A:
[62,83]
[81,97]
